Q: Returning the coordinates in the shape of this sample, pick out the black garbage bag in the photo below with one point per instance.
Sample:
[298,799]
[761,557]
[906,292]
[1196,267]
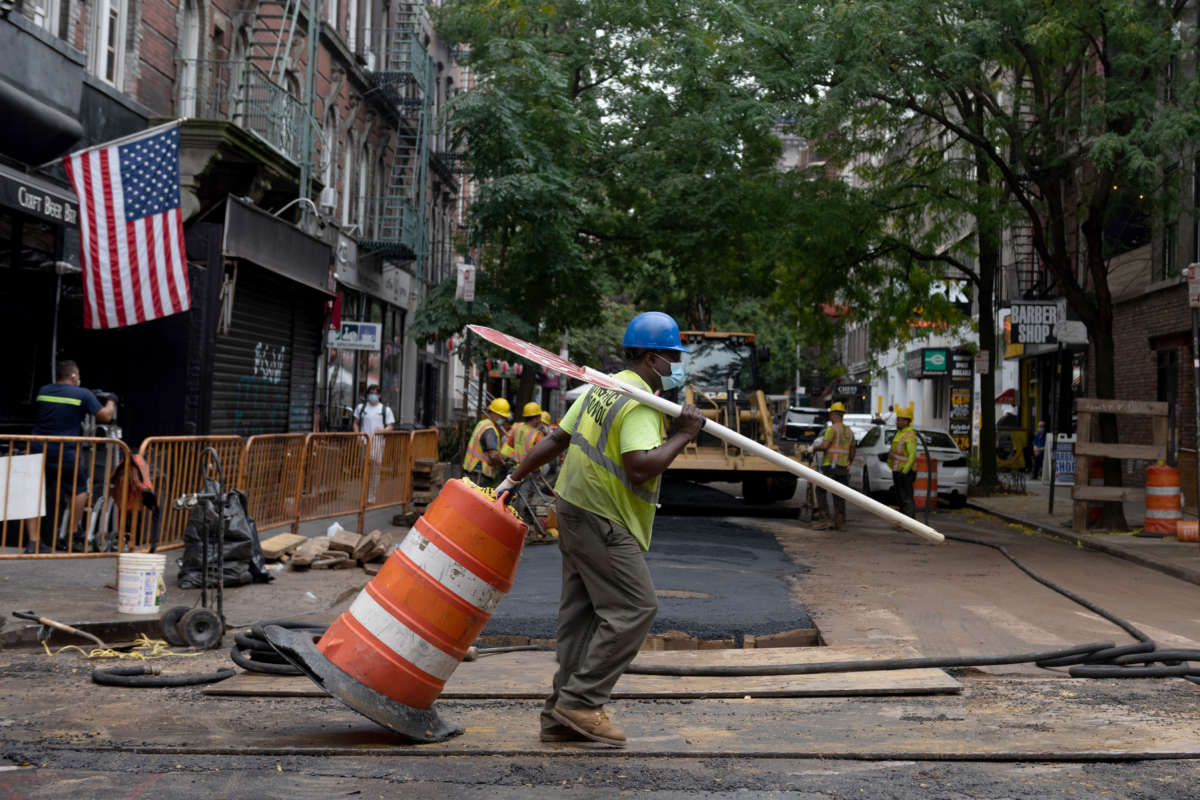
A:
[243,557]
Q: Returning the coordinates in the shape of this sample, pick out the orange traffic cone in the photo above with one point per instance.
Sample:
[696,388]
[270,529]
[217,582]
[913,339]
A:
[390,654]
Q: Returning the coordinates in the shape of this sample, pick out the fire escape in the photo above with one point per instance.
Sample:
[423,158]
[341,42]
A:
[406,80]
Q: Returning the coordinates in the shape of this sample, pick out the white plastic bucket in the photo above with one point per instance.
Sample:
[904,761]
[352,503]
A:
[140,585]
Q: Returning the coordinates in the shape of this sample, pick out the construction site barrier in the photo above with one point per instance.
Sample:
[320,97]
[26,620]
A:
[390,479]
[333,479]
[62,496]
[925,482]
[1162,500]
[425,443]
[174,463]
[270,468]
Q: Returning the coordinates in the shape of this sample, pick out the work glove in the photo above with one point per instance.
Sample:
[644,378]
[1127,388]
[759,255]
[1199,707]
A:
[506,486]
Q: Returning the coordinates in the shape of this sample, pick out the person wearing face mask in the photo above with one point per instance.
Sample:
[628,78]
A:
[607,494]
[61,408]
[373,415]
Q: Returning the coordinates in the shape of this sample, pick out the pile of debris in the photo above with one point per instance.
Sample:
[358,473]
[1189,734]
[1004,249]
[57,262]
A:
[341,550]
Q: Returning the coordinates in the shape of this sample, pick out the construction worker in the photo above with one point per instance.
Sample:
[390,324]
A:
[523,435]
[903,458]
[483,462]
[838,446]
[606,501]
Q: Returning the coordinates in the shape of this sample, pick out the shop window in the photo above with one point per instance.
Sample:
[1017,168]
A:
[7,225]
[37,242]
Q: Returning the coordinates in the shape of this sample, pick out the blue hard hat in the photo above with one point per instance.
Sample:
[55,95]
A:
[654,330]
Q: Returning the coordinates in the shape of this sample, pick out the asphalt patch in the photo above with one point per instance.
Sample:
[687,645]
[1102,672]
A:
[738,576]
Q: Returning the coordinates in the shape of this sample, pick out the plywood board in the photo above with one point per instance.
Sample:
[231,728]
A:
[527,675]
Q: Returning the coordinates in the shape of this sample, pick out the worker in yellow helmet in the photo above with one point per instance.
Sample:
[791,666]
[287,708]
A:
[902,458]
[607,494]
[525,434]
[838,446]
[483,462]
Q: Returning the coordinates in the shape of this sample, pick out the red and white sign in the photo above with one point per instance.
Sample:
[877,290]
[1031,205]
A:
[544,357]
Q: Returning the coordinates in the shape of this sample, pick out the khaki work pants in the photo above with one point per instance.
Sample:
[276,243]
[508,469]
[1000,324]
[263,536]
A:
[605,611]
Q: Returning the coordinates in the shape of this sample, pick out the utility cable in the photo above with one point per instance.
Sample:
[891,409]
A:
[1094,660]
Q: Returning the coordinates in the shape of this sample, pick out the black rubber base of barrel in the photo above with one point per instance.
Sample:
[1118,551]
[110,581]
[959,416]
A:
[419,725]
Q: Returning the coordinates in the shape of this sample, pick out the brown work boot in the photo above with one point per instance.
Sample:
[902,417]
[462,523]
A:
[821,525]
[592,723]
[839,522]
[553,732]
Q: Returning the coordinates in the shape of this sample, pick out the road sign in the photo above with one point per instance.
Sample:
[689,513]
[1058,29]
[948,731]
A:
[1193,276]
[464,289]
[983,362]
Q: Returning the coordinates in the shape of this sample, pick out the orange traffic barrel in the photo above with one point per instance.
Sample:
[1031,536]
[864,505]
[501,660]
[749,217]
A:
[925,480]
[389,655]
[1162,500]
[1095,510]
[1188,531]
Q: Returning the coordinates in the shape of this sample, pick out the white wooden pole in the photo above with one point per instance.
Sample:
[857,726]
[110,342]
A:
[778,459]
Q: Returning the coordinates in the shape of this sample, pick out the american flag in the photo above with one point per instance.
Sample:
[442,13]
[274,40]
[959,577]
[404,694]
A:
[131,229]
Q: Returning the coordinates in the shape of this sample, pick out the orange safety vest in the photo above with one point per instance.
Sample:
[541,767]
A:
[838,453]
[899,456]
[476,457]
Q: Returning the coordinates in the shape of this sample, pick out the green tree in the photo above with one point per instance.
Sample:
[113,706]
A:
[1057,104]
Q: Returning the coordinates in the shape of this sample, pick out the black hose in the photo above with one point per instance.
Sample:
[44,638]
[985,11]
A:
[253,653]
[150,675]
[1096,660]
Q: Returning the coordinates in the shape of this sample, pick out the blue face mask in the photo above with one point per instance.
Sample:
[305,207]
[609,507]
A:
[372,398]
[676,378]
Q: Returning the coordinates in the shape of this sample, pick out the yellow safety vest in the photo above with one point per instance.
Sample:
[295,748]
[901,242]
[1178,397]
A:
[904,451]
[525,436]
[838,453]
[476,457]
[593,476]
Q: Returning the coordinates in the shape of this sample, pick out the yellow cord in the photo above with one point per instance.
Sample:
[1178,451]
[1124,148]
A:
[145,649]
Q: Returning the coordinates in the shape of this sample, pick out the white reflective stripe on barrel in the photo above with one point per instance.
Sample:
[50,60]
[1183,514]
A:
[1162,490]
[401,639]
[449,573]
[1168,513]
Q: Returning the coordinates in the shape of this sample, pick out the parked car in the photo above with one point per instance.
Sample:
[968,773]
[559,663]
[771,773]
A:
[870,472]
[860,424]
[804,424]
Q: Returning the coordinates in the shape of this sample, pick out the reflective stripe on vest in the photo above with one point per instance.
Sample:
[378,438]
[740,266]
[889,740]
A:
[838,454]
[524,439]
[476,457]
[897,456]
[595,452]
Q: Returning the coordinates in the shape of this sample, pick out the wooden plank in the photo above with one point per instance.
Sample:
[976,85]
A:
[528,675]
[281,544]
[1083,466]
[1110,494]
[1160,432]
[1146,452]
[1143,407]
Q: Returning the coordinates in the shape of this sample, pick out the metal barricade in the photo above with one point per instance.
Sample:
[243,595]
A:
[269,475]
[424,444]
[390,480]
[174,463]
[333,479]
[63,496]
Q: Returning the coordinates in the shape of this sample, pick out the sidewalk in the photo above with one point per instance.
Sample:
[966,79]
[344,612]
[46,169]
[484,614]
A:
[1169,556]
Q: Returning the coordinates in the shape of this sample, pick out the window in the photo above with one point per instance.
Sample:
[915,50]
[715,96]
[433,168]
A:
[1168,375]
[347,180]
[1168,260]
[189,67]
[44,14]
[108,41]
[331,13]
[941,397]
[364,191]
[352,25]
[328,138]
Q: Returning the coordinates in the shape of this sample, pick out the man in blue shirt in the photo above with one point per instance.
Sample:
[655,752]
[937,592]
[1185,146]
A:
[61,407]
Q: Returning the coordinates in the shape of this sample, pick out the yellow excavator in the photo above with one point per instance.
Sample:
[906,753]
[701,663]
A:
[724,382]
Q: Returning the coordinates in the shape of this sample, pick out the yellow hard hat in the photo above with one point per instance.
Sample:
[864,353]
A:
[531,410]
[500,406]
[838,407]
[546,417]
[904,411]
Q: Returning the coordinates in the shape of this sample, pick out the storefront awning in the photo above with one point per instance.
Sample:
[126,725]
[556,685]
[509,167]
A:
[38,198]
[277,245]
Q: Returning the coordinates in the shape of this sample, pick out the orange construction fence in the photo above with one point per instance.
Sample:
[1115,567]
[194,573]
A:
[174,463]
[63,496]
[270,464]
[288,478]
